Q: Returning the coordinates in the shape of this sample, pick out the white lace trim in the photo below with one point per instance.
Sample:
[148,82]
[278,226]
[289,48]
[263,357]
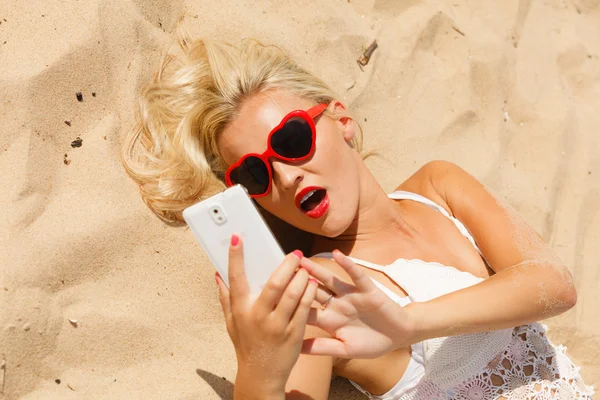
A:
[529,368]
[449,359]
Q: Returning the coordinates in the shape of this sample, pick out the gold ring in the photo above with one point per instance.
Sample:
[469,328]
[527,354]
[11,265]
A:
[328,300]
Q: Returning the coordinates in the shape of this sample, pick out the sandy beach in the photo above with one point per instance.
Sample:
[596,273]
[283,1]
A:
[99,299]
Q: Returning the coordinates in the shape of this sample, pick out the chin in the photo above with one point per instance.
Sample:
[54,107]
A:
[333,228]
[338,220]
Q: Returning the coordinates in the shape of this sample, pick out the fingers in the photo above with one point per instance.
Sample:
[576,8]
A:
[238,283]
[225,301]
[328,278]
[279,281]
[224,298]
[324,347]
[356,273]
[322,295]
[300,316]
[315,318]
[316,270]
[291,296]
[223,295]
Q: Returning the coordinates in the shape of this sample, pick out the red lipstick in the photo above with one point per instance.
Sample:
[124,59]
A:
[304,192]
[318,210]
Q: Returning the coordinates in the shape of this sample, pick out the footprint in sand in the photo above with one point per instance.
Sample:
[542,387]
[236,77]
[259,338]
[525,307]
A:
[575,73]
[522,14]
[163,15]
[438,34]
[458,127]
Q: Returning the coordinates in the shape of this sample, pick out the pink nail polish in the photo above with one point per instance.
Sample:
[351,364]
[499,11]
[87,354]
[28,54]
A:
[235,239]
[298,253]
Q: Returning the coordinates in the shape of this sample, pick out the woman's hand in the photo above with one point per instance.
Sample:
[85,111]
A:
[363,321]
[267,332]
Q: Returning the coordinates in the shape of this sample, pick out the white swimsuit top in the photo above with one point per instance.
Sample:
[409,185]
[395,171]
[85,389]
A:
[416,365]
[399,273]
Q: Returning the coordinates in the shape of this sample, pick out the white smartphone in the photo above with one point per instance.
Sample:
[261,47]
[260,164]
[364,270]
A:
[215,219]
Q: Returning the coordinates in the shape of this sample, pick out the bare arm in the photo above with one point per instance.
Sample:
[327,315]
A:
[530,283]
[248,388]
[268,331]
[311,376]
[309,380]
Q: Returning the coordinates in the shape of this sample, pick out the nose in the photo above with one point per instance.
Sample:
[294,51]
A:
[286,175]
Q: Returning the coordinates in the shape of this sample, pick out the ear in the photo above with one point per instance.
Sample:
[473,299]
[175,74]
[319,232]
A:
[344,122]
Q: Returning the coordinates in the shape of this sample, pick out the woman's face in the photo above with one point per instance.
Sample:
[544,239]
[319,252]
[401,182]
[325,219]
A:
[333,169]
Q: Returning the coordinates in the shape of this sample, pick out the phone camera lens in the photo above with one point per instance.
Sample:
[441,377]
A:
[216,211]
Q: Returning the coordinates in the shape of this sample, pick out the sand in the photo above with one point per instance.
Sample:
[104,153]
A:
[508,90]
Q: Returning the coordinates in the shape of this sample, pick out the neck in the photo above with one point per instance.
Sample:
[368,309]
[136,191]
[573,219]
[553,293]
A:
[378,217]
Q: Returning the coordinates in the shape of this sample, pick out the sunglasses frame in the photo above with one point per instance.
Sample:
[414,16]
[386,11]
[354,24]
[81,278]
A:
[308,116]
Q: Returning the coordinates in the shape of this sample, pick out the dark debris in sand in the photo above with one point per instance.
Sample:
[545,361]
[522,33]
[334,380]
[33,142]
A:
[77,142]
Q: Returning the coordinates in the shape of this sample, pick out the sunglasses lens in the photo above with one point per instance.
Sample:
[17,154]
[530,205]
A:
[294,139]
[253,174]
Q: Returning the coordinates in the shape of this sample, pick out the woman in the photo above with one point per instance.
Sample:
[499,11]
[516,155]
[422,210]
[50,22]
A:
[445,307]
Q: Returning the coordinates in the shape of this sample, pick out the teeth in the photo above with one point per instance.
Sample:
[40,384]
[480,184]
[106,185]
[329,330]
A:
[307,196]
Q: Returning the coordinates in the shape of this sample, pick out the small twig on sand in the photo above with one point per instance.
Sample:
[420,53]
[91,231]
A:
[458,30]
[366,56]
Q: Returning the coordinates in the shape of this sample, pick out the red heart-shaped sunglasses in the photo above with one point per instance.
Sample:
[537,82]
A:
[292,140]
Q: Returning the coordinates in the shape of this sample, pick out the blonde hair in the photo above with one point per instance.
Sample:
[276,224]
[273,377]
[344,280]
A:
[171,151]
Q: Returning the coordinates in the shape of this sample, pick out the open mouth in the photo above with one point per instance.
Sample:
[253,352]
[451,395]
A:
[312,199]
[314,202]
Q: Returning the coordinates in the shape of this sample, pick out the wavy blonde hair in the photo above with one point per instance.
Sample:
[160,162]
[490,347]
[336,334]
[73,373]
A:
[171,151]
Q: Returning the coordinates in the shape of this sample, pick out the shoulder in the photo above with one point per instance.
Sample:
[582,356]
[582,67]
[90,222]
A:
[471,203]
[434,176]
[438,180]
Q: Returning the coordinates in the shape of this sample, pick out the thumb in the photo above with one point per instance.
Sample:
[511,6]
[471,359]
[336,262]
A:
[324,347]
